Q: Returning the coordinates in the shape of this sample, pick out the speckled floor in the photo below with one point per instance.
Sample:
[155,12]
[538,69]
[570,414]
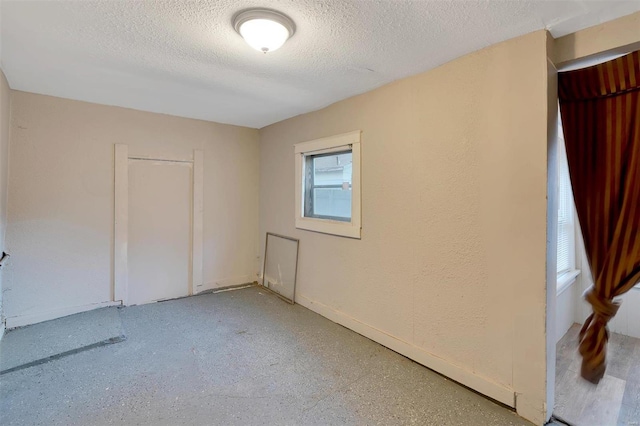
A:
[238,358]
[26,346]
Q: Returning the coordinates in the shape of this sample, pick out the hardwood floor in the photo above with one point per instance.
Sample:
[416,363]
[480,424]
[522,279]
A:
[615,401]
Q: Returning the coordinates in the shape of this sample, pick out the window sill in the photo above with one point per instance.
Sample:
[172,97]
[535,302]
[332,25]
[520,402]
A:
[565,280]
[331,227]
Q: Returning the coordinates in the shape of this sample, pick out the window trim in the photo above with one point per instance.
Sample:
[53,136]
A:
[352,228]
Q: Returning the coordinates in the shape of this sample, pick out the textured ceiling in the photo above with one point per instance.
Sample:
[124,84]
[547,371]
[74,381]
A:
[184,58]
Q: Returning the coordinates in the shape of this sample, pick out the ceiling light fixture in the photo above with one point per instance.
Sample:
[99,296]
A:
[264,29]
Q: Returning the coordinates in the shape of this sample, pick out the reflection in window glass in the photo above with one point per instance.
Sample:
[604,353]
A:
[328,186]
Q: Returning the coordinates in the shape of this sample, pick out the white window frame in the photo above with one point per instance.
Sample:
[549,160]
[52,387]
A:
[345,141]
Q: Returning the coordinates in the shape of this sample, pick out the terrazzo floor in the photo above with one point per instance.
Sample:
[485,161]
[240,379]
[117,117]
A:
[241,357]
[26,346]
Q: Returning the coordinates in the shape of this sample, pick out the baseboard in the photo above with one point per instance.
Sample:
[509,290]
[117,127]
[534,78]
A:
[228,288]
[22,320]
[226,283]
[477,382]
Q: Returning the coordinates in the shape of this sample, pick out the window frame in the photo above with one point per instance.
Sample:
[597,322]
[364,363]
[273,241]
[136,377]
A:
[326,146]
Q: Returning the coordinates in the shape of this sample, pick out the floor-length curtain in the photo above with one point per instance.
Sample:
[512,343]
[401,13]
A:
[600,109]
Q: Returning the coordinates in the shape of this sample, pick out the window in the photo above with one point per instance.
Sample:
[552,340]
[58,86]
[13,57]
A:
[566,253]
[328,185]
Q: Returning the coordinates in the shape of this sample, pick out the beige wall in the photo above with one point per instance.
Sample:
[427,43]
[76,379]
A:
[4,169]
[61,191]
[450,270]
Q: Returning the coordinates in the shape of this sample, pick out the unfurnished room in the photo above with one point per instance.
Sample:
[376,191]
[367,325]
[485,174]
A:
[320,212]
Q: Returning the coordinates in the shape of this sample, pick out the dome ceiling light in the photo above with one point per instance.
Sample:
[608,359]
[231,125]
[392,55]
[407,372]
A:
[263,29]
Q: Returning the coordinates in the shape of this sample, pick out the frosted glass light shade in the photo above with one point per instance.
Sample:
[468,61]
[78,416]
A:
[264,35]
[264,30]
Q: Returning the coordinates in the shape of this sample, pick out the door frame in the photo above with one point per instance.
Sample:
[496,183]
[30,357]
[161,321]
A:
[584,47]
[121,220]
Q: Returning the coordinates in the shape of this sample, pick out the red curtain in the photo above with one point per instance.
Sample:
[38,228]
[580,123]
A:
[600,109]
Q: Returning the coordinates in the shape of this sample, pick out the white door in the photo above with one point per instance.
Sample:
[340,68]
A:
[159,246]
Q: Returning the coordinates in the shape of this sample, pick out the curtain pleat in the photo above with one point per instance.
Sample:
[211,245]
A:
[600,110]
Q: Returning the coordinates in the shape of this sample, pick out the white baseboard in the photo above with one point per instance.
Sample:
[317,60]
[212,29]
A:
[458,373]
[226,282]
[22,320]
[232,288]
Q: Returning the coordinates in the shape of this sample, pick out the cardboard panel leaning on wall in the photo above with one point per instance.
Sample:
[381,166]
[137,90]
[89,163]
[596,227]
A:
[4,169]
[450,270]
[61,188]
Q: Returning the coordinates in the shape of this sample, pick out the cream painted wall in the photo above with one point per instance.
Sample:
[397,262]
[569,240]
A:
[61,191]
[4,169]
[450,270]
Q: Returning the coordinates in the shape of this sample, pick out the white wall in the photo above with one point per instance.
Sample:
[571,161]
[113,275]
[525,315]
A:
[568,295]
[626,321]
[4,169]
[451,267]
[567,310]
[61,192]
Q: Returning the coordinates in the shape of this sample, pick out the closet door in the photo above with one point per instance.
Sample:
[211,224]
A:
[159,244]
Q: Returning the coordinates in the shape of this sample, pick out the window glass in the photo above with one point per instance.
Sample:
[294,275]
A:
[328,186]
[566,249]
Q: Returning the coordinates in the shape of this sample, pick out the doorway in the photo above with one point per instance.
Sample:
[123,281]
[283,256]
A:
[578,402]
[158,227]
[615,399]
